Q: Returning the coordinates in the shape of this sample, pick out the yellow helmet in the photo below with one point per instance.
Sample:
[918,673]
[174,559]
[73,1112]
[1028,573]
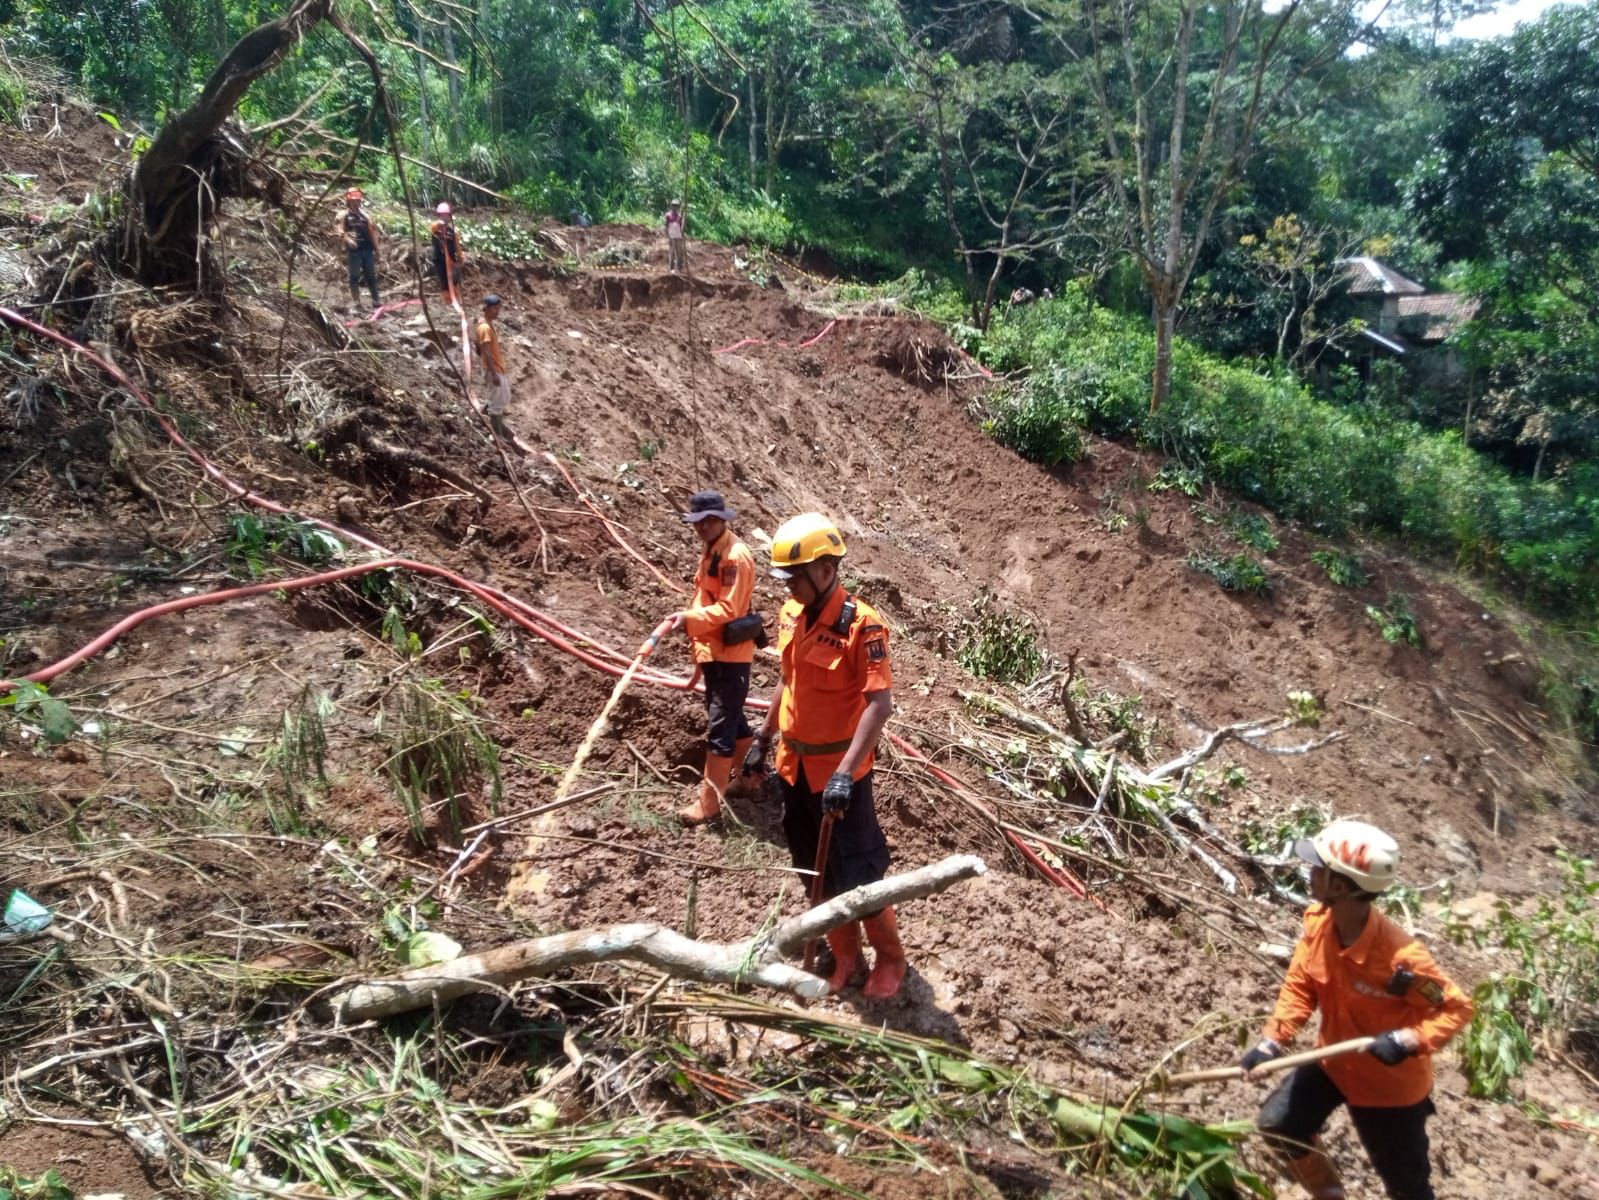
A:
[804,539]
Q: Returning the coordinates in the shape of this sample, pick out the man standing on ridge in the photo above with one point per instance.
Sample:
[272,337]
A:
[723,632]
[1368,978]
[835,696]
[447,255]
[359,235]
[497,381]
[676,256]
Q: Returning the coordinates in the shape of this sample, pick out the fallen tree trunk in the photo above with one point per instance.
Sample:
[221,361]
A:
[754,960]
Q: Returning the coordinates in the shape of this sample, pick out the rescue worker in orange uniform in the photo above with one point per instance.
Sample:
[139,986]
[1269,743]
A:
[1368,978]
[835,696]
[489,353]
[723,633]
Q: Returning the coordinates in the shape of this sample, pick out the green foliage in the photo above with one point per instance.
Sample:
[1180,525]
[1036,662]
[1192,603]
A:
[48,1186]
[252,540]
[998,645]
[35,707]
[13,99]
[1173,477]
[438,750]
[1241,572]
[1553,987]
[1036,421]
[500,238]
[1251,530]
[1396,621]
[1334,467]
[1343,569]
[1305,708]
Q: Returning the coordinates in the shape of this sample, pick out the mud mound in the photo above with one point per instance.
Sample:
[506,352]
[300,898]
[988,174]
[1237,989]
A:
[633,388]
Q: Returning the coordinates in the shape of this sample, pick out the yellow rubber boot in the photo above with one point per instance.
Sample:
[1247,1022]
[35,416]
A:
[847,961]
[1315,1173]
[707,805]
[888,965]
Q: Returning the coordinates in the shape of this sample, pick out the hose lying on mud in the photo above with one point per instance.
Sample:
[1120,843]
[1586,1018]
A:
[580,646]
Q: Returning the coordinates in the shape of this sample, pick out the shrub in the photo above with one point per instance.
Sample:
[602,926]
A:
[1397,622]
[998,645]
[1343,569]
[1038,422]
[1241,572]
[1334,466]
[1553,987]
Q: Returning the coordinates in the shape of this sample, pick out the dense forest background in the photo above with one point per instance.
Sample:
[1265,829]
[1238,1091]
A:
[1186,179]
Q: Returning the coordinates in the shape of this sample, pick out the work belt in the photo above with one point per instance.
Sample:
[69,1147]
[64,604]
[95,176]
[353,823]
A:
[800,747]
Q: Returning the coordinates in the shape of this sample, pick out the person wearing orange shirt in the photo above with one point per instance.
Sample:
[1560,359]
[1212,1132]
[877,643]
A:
[1368,978]
[835,696]
[724,635]
[492,357]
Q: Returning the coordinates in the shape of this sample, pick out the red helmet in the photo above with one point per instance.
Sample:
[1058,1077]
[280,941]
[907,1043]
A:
[443,209]
[354,194]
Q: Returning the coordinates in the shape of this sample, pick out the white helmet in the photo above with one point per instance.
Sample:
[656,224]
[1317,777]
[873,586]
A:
[443,209]
[1358,851]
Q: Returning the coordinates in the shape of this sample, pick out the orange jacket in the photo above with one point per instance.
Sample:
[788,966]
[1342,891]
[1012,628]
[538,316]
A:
[488,347]
[722,589]
[827,675]
[1350,985]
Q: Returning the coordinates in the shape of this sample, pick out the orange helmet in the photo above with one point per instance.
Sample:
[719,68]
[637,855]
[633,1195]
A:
[354,194]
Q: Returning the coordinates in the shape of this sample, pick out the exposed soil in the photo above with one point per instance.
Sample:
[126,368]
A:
[616,371]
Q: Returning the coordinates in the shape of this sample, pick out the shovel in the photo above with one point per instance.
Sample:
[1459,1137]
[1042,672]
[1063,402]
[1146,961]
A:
[823,841]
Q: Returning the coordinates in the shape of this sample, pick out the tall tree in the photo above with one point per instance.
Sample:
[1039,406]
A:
[1184,92]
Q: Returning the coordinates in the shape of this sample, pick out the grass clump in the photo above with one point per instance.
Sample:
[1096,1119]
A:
[439,753]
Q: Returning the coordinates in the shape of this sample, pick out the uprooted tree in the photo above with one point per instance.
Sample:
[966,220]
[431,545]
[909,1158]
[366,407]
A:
[201,157]
[197,160]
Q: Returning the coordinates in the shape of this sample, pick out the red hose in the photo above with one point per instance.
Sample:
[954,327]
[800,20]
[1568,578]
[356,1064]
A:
[540,624]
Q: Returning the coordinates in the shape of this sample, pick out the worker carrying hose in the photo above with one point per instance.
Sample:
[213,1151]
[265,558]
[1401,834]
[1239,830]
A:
[723,632]
[358,234]
[1367,977]
[447,253]
[835,696]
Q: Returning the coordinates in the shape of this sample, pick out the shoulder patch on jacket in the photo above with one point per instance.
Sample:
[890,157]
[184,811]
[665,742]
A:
[1430,989]
[729,574]
[877,648]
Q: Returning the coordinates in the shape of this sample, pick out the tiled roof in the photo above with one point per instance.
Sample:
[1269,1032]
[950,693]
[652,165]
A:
[1367,276]
[1435,317]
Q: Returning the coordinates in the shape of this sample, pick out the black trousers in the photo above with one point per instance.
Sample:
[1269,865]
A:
[726,686]
[1395,1138]
[363,268]
[446,272]
[857,852]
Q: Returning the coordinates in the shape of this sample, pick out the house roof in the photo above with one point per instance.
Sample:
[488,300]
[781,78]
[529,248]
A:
[1368,277]
[1436,317]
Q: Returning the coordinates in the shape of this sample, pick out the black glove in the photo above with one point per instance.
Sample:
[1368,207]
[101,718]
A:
[755,758]
[1389,1050]
[1264,1052]
[835,796]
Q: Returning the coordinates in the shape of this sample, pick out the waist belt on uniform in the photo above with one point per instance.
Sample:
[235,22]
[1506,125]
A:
[817,747]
